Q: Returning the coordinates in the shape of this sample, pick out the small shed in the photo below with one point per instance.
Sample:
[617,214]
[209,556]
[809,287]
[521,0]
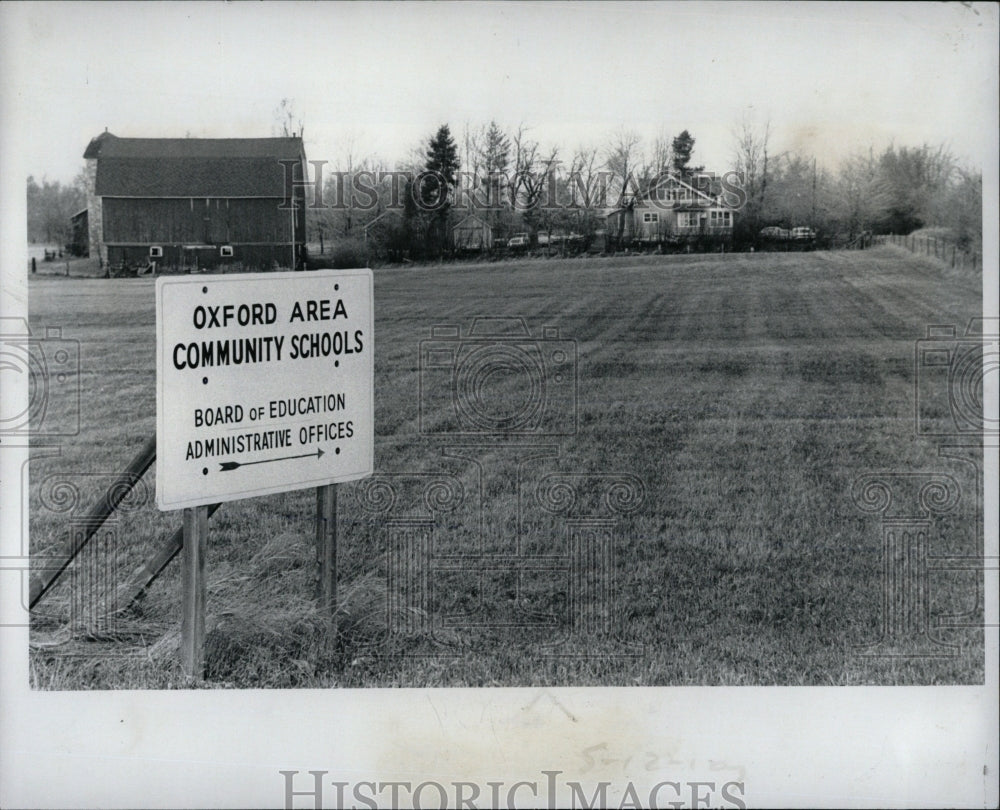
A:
[472,233]
[79,244]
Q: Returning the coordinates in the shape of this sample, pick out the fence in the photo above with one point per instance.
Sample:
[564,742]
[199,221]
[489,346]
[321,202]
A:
[947,252]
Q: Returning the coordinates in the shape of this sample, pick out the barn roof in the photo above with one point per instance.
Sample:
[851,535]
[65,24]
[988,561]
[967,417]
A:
[192,167]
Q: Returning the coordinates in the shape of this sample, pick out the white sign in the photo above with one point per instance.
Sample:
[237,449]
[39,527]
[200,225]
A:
[264,383]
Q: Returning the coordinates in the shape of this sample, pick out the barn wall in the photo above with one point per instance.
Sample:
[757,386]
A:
[196,221]
[176,259]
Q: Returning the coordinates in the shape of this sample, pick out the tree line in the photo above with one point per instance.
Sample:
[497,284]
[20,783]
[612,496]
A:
[898,190]
[507,179]
[50,207]
[510,180]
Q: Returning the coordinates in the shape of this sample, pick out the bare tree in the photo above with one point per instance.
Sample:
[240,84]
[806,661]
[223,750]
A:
[286,121]
[533,175]
[622,158]
[355,191]
[861,193]
[473,139]
[750,162]
[965,208]
[662,155]
[587,188]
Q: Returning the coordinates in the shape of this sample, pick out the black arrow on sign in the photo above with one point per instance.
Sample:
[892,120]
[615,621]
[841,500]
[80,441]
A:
[232,465]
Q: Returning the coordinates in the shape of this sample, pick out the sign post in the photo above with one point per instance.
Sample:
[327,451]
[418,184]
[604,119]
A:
[193,597]
[265,384]
[326,552]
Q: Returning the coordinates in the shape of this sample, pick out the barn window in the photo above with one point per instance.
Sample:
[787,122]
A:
[156,252]
[226,251]
[650,216]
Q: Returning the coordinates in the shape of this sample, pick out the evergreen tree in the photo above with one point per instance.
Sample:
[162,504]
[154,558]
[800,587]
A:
[495,157]
[442,166]
[441,175]
[682,147]
[496,163]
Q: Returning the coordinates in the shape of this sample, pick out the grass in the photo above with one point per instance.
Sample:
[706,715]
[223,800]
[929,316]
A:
[745,393]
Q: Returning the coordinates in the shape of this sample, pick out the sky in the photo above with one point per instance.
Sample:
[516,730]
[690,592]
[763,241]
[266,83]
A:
[380,78]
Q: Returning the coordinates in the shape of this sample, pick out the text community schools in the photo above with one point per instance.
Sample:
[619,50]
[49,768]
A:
[235,351]
[244,350]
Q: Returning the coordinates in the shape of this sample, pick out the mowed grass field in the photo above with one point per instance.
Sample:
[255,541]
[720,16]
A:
[746,394]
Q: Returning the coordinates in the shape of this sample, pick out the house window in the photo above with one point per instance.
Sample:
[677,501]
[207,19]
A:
[156,252]
[688,219]
[650,216]
[226,251]
[674,194]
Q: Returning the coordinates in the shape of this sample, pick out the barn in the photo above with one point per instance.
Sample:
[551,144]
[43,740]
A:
[196,203]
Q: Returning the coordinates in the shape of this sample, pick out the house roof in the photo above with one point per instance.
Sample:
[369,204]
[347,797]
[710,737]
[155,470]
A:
[472,219]
[192,167]
[672,179]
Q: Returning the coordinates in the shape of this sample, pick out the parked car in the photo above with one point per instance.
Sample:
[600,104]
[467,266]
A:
[803,233]
[518,240]
[774,232]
